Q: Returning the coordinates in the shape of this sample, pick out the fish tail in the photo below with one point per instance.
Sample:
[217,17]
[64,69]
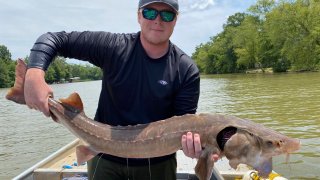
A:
[16,93]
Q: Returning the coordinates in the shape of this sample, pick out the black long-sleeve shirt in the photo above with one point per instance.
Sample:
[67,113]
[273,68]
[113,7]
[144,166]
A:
[135,88]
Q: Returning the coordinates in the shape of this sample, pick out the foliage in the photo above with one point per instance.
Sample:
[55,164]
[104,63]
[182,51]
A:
[281,35]
[298,36]
[6,72]
[218,55]
[58,72]
[5,54]
[6,67]
[281,65]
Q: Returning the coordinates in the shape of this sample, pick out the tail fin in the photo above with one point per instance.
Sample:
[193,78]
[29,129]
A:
[16,93]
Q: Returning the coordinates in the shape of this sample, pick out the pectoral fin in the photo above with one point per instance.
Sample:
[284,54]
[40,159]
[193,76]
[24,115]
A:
[265,167]
[204,166]
[84,153]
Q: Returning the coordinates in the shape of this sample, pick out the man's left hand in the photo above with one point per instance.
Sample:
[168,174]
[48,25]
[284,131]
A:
[191,145]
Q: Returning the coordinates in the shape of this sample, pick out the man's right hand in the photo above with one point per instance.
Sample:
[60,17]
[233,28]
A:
[37,91]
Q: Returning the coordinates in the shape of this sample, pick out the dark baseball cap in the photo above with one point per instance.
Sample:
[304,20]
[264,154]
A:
[173,3]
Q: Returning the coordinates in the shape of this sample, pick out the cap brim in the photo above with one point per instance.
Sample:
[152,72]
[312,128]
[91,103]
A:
[159,2]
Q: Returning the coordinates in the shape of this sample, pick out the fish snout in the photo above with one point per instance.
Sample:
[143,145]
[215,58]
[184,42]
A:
[291,145]
[295,146]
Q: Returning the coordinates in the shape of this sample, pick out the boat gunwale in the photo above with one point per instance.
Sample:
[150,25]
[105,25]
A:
[52,156]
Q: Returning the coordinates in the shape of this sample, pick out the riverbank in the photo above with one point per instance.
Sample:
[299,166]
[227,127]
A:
[270,71]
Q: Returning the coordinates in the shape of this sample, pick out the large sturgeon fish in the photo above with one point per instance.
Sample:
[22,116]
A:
[239,140]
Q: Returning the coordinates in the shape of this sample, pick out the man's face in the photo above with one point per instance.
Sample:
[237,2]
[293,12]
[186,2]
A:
[156,31]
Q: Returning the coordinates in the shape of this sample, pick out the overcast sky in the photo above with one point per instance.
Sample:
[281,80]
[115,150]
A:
[23,21]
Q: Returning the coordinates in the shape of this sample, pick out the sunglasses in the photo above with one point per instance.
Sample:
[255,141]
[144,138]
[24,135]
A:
[151,14]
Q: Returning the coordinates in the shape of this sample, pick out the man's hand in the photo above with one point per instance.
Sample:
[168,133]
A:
[37,91]
[191,146]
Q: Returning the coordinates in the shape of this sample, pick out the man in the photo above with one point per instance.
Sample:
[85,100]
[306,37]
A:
[145,78]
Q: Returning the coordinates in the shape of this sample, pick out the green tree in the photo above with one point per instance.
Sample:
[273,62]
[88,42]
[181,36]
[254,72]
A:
[58,71]
[253,46]
[235,20]
[50,76]
[7,67]
[246,41]
[262,7]
[201,57]
[4,75]
[223,53]
[218,55]
[294,29]
[95,73]
[5,54]
[281,34]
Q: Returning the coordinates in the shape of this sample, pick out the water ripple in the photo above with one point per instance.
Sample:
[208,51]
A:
[288,103]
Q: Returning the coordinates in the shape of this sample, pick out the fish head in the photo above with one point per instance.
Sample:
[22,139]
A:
[257,150]
[56,110]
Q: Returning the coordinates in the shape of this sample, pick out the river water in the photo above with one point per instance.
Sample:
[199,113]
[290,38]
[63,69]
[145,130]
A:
[288,103]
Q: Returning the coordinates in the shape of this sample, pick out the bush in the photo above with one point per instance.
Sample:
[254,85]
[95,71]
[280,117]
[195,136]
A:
[281,65]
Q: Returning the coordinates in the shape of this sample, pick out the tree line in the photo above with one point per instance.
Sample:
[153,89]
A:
[58,72]
[280,35]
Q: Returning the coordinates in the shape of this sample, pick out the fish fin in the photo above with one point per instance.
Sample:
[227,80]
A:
[265,167]
[204,166]
[84,153]
[234,163]
[74,101]
[16,93]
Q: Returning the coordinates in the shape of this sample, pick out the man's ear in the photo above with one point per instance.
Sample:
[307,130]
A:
[139,16]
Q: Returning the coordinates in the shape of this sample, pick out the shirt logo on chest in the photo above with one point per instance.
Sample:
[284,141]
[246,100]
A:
[163,82]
